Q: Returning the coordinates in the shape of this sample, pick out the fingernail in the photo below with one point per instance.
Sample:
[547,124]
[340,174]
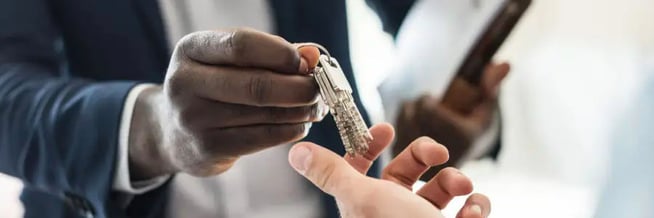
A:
[304,65]
[475,209]
[300,158]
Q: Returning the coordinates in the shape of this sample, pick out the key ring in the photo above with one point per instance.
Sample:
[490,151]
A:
[321,48]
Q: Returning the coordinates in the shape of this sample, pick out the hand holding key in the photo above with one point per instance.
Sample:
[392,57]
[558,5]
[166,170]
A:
[226,94]
[360,196]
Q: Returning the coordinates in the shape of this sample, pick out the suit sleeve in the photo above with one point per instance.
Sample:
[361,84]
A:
[58,133]
[391,13]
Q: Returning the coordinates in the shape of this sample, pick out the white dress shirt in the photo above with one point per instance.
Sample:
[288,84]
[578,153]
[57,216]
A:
[432,42]
[258,185]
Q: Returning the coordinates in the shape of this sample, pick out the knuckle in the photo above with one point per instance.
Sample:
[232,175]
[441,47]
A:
[297,131]
[181,47]
[189,43]
[199,45]
[175,85]
[286,133]
[237,43]
[259,89]
[298,114]
[333,179]
[242,41]
[290,58]
[303,91]
[325,177]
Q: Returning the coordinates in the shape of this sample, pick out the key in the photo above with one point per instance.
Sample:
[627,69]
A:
[336,92]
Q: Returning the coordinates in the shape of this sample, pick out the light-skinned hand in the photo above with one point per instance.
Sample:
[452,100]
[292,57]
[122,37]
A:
[391,196]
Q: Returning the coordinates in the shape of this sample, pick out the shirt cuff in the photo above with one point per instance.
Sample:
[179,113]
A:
[122,181]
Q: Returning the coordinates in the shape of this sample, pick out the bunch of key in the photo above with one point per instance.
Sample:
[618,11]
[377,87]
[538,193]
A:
[337,94]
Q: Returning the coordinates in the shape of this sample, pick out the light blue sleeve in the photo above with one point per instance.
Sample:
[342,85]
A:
[629,191]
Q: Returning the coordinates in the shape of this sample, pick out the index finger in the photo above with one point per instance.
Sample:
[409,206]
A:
[415,160]
[243,48]
[382,136]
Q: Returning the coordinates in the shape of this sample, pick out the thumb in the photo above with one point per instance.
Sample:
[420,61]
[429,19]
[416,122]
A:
[325,169]
[308,56]
[493,77]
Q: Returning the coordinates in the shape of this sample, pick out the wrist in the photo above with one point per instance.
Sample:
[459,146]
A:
[147,158]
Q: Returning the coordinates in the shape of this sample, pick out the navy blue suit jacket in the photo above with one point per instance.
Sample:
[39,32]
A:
[65,69]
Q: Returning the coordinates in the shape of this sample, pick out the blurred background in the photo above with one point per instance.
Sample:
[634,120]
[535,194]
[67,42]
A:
[576,66]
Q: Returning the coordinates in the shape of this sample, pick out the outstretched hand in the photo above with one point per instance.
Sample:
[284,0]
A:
[360,196]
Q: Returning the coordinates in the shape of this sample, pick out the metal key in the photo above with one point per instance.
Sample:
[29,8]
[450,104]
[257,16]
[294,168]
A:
[337,94]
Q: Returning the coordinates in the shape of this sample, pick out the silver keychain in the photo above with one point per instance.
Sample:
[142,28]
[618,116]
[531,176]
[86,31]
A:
[337,94]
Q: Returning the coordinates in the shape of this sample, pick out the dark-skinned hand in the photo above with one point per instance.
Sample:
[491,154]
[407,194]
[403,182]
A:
[457,120]
[227,93]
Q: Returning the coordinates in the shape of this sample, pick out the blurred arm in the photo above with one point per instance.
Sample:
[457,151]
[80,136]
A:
[629,189]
